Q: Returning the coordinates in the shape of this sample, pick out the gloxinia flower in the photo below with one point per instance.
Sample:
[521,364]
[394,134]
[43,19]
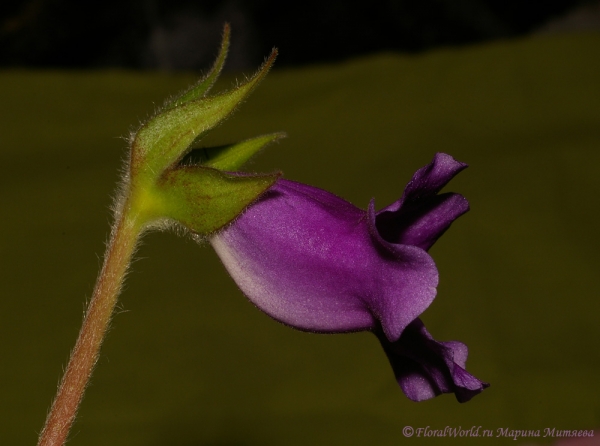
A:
[313,261]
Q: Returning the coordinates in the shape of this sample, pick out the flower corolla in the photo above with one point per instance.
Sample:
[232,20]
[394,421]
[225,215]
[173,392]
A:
[313,261]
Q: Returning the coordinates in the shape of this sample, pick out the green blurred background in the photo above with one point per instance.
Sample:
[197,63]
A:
[190,362]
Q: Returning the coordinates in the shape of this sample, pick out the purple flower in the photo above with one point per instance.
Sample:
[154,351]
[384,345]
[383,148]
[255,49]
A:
[315,262]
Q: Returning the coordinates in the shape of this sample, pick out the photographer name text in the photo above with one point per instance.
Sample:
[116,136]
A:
[479,431]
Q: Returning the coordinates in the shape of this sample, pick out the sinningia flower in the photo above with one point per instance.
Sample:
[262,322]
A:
[317,263]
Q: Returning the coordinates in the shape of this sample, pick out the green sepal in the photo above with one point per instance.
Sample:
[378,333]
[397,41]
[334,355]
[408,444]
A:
[165,184]
[166,138]
[205,199]
[202,87]
[230,157]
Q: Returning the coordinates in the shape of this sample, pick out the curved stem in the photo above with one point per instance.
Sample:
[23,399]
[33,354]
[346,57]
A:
[85,354]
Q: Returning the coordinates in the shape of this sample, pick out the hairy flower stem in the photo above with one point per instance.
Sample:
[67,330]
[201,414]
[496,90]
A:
[85,354]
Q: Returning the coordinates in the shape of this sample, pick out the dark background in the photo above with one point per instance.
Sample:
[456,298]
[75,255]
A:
[184,34]
[188,360]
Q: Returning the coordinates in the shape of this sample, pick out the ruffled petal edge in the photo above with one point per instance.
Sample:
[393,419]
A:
[421,216]
[425,368]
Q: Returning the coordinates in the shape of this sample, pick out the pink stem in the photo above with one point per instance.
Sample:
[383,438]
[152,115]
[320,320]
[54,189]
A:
[96,321]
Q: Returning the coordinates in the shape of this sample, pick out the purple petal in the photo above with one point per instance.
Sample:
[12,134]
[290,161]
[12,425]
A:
[425,368]
[309,259]
[421,216]
[316,262]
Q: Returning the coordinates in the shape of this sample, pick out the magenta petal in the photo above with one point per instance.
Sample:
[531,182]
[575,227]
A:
[315,262]
[308,259]
[396,314]
[421,216]
[425,368]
